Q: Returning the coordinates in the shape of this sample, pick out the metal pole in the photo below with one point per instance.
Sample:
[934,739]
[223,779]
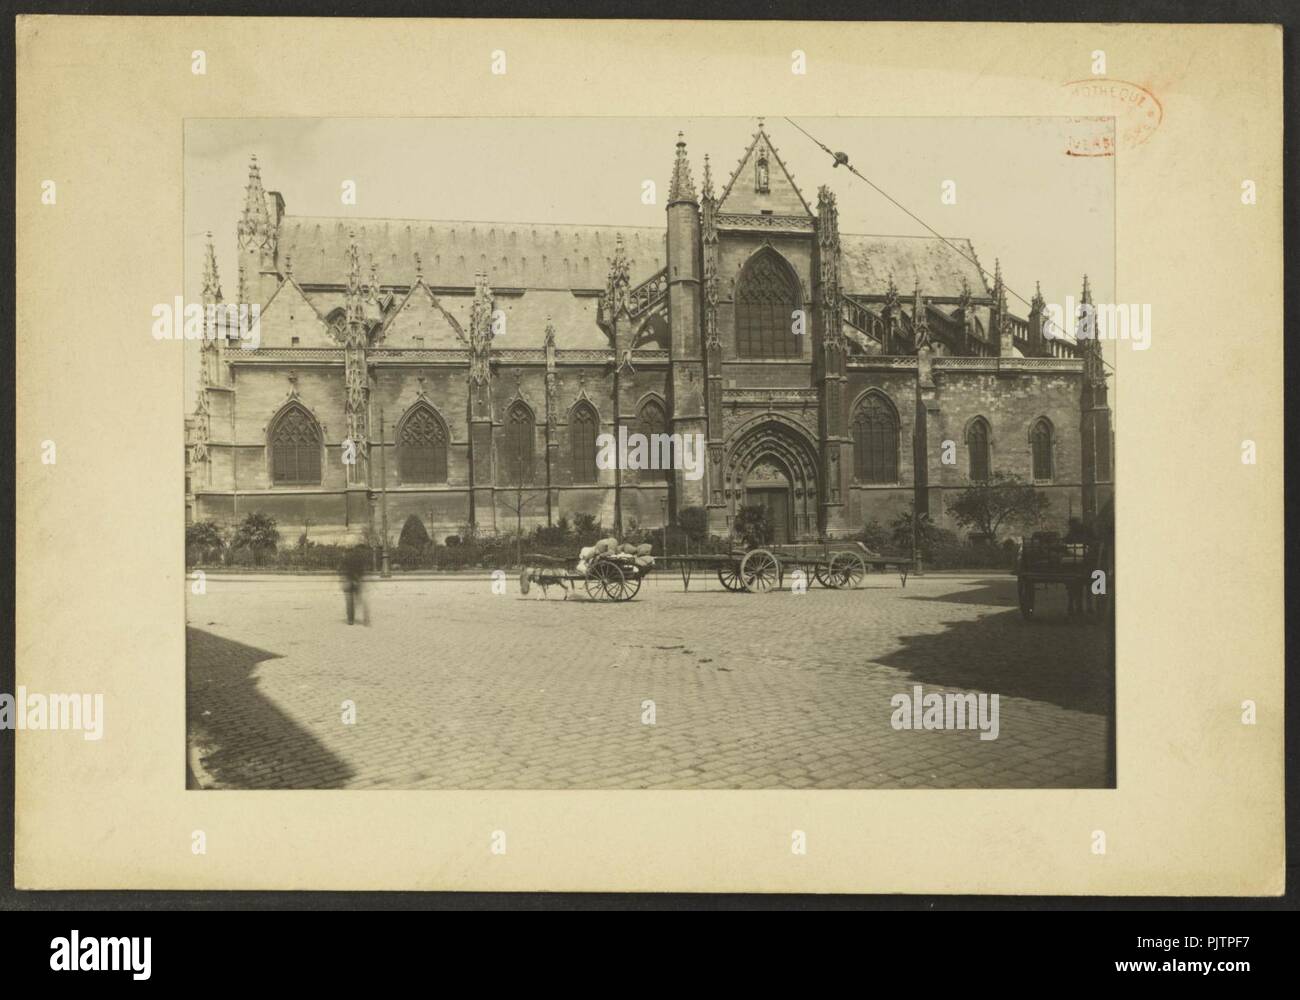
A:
[383,493]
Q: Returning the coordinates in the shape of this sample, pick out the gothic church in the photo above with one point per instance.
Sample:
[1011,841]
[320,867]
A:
[466,370]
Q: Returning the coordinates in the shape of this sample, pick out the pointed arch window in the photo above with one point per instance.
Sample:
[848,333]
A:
[875,441]
[583,425]
[295,443]
[1040,443]
[422,446]
[766,297]
[518,458]
[651,421]
[977,448]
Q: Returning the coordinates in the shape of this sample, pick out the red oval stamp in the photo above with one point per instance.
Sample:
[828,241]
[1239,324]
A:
[1136,111]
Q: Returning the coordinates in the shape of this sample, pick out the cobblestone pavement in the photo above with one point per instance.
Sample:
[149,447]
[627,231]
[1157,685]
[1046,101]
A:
[456,687]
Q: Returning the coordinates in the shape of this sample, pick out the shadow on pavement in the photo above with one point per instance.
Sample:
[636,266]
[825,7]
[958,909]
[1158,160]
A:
[1070,667]
[998,592]
[244,740]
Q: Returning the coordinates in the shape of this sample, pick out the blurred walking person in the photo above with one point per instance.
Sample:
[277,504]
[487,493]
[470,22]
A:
[354,571]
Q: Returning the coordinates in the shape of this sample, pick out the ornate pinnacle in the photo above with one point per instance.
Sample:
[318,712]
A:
[891,294]
[549,340]
[920,321]
[211,280]
[1037,302]
[255,224]
[419,267]
[354,312]
[963,302]
[1087,291]
[682,187]
[708,179]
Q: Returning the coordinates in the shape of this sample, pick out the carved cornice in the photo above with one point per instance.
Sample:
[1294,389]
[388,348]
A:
[765,223]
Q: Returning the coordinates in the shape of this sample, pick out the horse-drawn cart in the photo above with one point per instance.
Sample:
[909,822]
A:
[603,576]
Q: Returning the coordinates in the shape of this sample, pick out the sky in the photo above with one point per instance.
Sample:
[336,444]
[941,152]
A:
[1047,216]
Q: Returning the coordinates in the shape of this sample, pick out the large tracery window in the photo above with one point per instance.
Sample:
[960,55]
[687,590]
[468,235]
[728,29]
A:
[1040,441]
[977,447]
[875,442]
[766,297]
[422,447]
[651,421]
[517,461]
[582,443]
[295,449]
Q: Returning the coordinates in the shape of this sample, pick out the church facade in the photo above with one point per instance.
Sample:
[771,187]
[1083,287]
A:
[463,372]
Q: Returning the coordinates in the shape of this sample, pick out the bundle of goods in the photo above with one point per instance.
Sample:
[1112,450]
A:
[623,553]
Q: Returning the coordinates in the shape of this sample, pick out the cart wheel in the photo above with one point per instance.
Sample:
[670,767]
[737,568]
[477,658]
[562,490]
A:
[760,571]
[523,580]
[729,577]
[1026,593]
[819,574]
[631,585]
[846,570]
[604,580]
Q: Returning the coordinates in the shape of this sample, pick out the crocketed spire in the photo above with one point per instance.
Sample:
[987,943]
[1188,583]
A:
[682,187]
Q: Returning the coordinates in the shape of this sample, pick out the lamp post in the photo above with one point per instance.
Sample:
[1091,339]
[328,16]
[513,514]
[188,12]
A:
[663,521]
[383,496]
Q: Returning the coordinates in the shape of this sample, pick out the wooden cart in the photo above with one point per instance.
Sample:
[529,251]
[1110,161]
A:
[604,578]
[835,565]
[1044,560]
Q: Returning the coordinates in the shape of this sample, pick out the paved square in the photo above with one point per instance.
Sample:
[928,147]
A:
[458,687]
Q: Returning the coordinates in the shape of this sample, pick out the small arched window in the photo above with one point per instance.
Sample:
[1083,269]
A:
[977,447]
[518,458]
[651,422]
[422,446]
[875,442]
[1040,442]
[295,442]
[582,443]
[767,295]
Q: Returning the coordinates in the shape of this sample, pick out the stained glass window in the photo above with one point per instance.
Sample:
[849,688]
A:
[422,447]
[875,442]
[766,297]
[295,449]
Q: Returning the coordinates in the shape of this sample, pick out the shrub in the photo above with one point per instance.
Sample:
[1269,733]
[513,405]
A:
[413,534]
[204,534]
[586,528]
[751,526]
[876,538]
[256,534]
[900,535]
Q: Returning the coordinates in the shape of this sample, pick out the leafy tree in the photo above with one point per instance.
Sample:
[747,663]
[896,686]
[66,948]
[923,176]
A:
[1004,499]
[413,535]
[694,522]
[752,527]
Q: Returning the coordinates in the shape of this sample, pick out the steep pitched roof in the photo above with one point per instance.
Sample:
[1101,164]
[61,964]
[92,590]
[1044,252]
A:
[514,255]
[782,196]
[867,261]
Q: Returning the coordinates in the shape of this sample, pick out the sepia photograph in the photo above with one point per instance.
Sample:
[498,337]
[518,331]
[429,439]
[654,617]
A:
[649,453]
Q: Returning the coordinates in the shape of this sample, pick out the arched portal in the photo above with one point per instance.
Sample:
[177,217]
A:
[772,463]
